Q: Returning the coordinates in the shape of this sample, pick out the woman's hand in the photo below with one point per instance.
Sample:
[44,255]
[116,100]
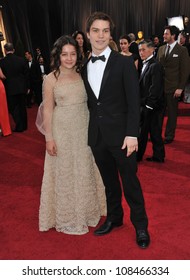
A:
[51,148]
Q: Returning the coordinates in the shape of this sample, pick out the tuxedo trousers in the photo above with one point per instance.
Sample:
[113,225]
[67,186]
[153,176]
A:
[151,122]
[17,108]
[119,176]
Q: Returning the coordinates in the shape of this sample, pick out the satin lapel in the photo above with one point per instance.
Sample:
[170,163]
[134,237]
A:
[146,69]
[107,70]
[142,74]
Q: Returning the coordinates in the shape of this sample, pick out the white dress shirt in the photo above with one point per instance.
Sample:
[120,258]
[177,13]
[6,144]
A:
[96,71]
[171,46]
[145,62]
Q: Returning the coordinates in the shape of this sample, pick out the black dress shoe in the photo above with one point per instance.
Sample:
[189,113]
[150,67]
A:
[154,159]
[139,159]
[142,238]
[168,141]
[107,227]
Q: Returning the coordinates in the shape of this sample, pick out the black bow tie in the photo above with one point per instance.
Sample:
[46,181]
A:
[94,58]
[145,61]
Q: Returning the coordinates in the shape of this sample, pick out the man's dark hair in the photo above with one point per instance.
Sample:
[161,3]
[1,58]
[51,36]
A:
[97,16]
[9,47]
[173,30]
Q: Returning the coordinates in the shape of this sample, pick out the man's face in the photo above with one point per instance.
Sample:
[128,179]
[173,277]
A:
[168,38]
[144,51]
[99,35]
[156,41]
[27,56]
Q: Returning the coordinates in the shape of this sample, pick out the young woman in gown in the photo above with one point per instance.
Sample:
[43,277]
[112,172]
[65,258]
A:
[72,194]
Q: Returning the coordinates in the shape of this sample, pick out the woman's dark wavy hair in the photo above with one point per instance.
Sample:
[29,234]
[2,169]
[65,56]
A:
[56,51]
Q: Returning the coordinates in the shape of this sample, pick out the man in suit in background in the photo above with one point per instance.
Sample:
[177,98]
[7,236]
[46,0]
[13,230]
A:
[113,98]
[35,81]
[175,60]
[15,71]
[152,96]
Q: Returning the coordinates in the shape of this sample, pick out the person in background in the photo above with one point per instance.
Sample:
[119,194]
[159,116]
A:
[175,60]
[152,96]
[5,127]
[113,45]
[16,80]
[72,193]
[43,66]
[124,42]
[84,52]
[133,45]
[157,44]
[183,41]
[111,82]
[44,71]
[38,54]
[34,94]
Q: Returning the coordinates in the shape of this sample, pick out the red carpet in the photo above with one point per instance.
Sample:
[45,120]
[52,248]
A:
[166,189]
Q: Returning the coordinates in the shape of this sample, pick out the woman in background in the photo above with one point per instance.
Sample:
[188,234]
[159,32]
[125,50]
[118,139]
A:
[84,52]
[4,114]
[124,43]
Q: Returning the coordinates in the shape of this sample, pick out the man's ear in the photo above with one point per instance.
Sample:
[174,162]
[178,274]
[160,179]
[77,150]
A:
[88,36]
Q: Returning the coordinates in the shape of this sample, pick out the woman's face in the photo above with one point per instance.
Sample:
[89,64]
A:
[80,40]
[68,56]
[124,45]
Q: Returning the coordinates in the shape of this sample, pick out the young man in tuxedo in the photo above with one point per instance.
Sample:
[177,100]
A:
[111,82]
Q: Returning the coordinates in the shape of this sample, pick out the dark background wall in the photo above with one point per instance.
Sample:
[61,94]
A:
[32,23]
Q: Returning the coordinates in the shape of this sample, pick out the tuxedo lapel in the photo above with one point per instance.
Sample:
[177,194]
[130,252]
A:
[145,70]
[107,71]
[143,73]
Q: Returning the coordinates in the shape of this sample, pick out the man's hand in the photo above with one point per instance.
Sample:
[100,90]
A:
[178,93]
[131,144]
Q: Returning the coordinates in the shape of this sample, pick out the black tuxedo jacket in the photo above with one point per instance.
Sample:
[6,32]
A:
[152,84]
[134,48]
[35,74]
[116,112]
[16,71]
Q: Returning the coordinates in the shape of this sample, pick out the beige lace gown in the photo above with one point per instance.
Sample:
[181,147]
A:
[72,194]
